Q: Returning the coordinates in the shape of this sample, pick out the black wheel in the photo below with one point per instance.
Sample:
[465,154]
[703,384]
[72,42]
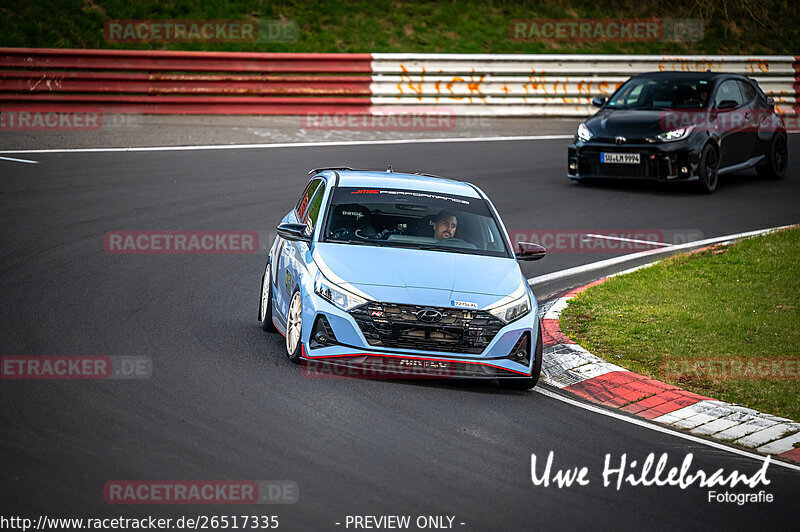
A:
[294,327]
[527,383]
[708,171]
[265,302]
[777,158]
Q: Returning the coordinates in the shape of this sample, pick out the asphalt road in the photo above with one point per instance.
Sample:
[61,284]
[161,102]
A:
[224,403]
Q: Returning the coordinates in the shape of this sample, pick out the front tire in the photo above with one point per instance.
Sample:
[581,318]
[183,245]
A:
[294,328]
[777,159]
[265,302]
[527,383]
[708,170]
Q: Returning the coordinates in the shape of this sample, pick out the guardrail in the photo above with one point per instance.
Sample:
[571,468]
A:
[551,85]
[166,82]
[270,83]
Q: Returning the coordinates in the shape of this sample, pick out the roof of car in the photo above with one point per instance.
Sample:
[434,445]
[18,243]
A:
[402,181]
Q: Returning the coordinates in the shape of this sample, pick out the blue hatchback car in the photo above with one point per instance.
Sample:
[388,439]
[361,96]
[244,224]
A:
[402,275]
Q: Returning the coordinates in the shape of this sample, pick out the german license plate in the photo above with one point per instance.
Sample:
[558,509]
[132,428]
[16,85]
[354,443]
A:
[619,158]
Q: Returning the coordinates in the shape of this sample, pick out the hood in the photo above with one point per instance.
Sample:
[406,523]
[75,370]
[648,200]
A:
[420,277]
[633,124]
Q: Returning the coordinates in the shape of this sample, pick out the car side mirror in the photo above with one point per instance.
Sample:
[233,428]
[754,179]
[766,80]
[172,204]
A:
[728,104]
[294,232]
[530,251]
[599,101]
[771,102]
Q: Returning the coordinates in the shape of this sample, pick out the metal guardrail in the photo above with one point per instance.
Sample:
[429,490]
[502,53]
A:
[259,83]
[551,85]
[159,82]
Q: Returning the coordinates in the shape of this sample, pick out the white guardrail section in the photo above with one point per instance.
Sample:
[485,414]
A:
[548,85]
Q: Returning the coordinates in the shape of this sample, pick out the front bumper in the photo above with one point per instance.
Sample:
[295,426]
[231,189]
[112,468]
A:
[348,349]
[669,161]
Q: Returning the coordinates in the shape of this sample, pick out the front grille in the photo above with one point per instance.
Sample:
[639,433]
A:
[620,170]
[397,326]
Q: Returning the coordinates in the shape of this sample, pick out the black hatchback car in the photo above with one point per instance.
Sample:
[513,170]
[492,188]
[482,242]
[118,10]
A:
[681,126]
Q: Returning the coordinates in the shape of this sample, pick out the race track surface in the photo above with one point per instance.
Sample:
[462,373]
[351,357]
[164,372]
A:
[223,402]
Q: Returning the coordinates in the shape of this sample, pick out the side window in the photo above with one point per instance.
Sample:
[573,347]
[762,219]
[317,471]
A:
[748,91]
[729,90]
[308,193]
[312,213]
[633,96]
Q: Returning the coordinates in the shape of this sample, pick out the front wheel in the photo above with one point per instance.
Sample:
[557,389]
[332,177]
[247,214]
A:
[265,302]
[294,328]
[708,171]
[777,159]
[527,383]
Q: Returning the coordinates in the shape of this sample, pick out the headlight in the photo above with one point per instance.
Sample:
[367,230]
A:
[516,309]
[335,294]
[584,133]
[675,134]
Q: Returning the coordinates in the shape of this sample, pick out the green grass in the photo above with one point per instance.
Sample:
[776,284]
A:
[736,301]
[466,26]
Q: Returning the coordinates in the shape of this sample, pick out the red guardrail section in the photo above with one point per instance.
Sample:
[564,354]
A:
[168,82]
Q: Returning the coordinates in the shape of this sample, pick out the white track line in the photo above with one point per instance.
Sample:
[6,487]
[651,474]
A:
[592,266]
[19,160]
[636,240]
[294,144]
[660,428]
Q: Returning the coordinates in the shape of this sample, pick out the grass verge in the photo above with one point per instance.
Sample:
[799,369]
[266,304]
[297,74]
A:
[464,26]
[738,302]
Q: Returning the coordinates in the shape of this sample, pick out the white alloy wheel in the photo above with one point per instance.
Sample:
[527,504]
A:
[294,326]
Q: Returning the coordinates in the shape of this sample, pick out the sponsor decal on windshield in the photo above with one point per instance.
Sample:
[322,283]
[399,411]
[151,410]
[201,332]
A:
[411,193]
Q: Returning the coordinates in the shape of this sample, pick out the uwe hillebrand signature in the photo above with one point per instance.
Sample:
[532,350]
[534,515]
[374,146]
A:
[619,471]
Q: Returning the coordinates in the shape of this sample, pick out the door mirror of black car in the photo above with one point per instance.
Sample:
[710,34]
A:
[530,251]
[294,232]
[770,102]
[599,101]
[728,104]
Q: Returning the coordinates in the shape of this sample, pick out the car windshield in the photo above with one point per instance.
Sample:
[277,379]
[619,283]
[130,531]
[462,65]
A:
[648,93]
[413,219]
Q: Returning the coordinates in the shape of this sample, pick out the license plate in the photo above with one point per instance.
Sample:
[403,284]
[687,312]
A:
[619,158]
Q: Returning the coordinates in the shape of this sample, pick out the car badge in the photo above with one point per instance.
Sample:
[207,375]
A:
[620,140]
[428,315]
[376,313]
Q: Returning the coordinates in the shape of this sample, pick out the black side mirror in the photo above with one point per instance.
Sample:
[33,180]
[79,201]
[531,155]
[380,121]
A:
[771,102]
[530,251]
[599,101]
[294,232]
[728,104]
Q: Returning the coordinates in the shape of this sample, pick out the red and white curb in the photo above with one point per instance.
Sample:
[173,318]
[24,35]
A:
[573,369]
